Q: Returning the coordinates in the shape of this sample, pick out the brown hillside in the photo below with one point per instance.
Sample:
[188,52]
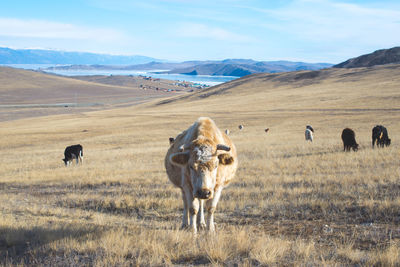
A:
[28,93]
[361,88]
[379,57]
[30,87]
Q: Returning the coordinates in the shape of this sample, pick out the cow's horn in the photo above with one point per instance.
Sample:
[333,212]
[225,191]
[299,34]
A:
[223,147]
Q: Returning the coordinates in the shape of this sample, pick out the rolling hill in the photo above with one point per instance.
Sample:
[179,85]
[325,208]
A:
[23,86]
[30,93]
[379,57]
[333,88]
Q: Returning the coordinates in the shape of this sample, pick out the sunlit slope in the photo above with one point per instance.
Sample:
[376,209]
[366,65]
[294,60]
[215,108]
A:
[330,100]
[346,89]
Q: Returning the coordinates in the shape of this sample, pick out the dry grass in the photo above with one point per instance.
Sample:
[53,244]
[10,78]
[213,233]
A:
[291,203]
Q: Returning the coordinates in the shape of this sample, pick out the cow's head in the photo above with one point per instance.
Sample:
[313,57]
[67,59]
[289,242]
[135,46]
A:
[202,159]
[65,161]
[355,147]
[387,142]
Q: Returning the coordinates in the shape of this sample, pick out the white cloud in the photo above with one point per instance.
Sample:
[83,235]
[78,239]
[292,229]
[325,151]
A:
[325,20]
[202,31]
[10,27]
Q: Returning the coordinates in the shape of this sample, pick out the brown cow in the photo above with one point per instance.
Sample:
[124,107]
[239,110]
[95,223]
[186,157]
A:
[349,140]
[201,162]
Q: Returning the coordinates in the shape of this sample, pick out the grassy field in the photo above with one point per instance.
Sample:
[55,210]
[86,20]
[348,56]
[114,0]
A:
[291,203]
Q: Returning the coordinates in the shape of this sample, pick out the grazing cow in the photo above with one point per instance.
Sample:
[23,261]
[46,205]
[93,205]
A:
[201,162]
[349,140]
[171,140]
[240,127]
[71,153]
[380,135]
[309,135]
[227,132]
[266,130]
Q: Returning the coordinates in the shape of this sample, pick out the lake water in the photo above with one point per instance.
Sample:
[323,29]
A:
[201,79]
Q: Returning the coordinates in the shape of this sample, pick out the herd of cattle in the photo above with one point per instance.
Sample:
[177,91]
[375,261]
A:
[202,160]
[379,136]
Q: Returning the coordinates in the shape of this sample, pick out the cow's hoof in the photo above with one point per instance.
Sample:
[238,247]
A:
[184,227]
[202,226]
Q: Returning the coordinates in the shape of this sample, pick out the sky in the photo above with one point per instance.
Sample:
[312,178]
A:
[329,31]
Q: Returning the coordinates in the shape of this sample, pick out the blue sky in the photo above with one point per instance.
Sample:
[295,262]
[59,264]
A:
[300,30]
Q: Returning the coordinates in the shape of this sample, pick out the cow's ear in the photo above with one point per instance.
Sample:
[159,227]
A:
[180,158]
[225,159]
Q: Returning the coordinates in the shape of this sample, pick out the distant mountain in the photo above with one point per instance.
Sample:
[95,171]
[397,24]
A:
[242,67]
[227,67]
[39,56]
[379,57]
[147,66]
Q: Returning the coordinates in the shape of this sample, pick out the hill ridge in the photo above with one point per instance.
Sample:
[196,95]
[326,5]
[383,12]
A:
[378,57]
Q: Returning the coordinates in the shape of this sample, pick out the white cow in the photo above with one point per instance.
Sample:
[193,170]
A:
[309,135]
[201,162]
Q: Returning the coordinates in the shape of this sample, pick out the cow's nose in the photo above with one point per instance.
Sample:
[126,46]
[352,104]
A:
[203,193]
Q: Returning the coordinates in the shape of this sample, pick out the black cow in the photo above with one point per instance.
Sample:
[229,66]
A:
[380,135]
[73,152]
[349,140]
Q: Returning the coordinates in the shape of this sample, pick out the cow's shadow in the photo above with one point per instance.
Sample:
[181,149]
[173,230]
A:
[23,246]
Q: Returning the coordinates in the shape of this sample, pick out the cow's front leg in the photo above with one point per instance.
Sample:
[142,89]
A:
[192,205]
[202,222]
[194,209]
[211,206]
[185,217]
